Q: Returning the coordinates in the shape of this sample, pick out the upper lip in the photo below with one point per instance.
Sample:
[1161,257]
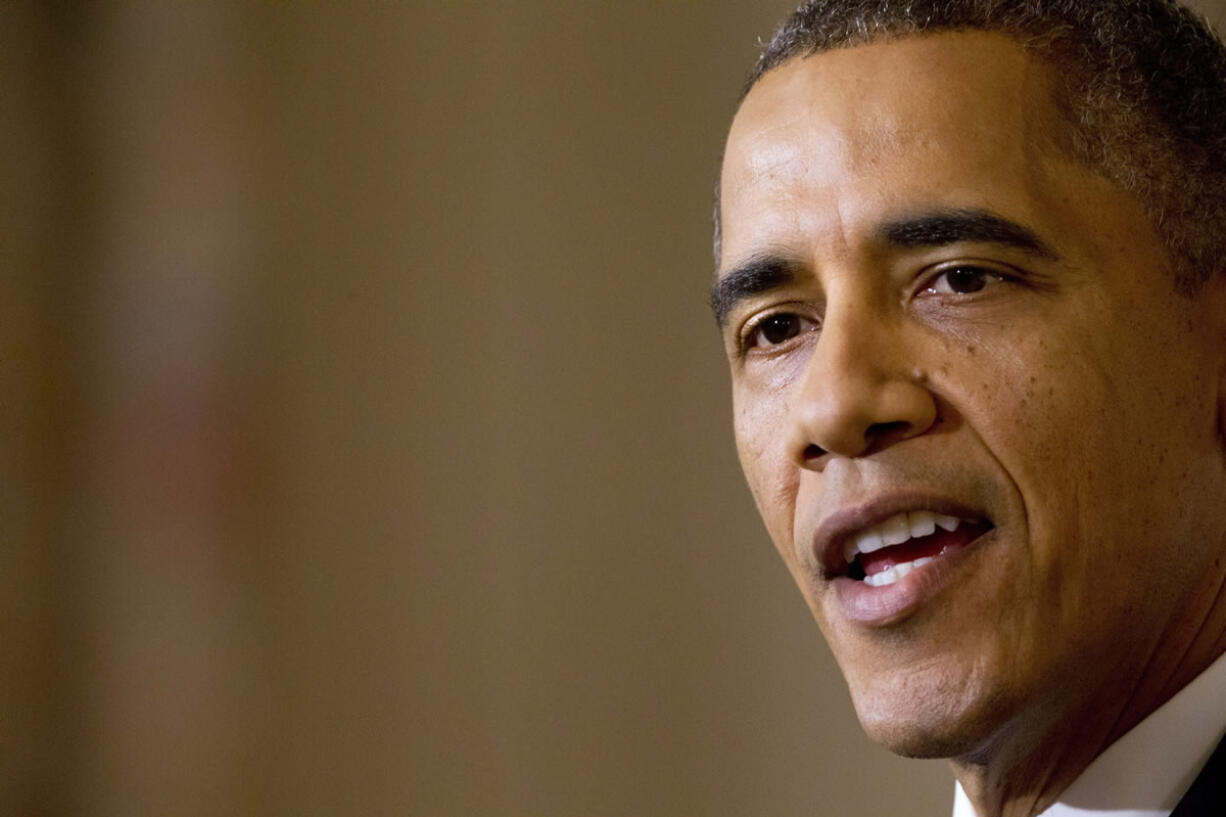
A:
[835,529]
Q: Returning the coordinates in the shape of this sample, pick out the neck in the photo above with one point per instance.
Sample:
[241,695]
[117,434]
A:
[1030,763]
[1021,775]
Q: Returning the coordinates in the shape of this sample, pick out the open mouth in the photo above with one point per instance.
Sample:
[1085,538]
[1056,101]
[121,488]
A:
[882,554]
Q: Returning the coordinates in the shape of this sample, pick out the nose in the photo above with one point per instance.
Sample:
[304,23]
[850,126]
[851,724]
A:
[861,391]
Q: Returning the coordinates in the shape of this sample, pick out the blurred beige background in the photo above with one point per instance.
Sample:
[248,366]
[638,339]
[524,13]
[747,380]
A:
[366,444]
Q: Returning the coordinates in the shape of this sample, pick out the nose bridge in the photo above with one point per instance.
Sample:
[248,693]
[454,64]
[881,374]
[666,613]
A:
[847,365]
[861,390]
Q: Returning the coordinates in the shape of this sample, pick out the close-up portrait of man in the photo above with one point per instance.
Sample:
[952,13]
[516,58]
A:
[970,287]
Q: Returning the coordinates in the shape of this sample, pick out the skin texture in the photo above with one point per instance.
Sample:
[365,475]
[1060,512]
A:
[1068,394]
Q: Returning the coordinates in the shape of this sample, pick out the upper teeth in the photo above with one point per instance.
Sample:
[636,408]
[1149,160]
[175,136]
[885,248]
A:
[897,529]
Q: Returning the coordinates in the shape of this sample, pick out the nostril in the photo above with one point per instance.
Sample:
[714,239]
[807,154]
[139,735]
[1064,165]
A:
[898,428]
[813,452]
[882,435]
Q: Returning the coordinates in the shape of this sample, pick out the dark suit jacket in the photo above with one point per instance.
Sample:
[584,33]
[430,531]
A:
[1207,797]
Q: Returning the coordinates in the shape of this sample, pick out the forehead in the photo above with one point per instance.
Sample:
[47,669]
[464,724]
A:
[953,119]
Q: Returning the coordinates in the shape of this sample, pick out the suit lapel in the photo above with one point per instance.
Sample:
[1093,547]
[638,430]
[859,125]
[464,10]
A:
[1207,796]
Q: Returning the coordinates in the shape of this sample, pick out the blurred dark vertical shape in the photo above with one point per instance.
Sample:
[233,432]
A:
[38,177]
[162,603]
[125,621]
[126,682]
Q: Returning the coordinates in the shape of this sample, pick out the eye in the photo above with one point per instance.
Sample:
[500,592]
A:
[961,280]
[775,329]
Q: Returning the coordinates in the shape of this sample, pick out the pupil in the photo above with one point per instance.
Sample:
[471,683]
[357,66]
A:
[965,280]
[779,328]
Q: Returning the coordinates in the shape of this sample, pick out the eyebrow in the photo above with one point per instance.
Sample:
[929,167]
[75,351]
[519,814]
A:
[762,273]
[759,274]
[964,226]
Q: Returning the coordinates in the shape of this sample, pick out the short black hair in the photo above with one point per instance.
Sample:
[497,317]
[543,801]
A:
[1141,83]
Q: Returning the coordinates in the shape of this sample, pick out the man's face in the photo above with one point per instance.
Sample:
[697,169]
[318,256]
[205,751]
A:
[932,315]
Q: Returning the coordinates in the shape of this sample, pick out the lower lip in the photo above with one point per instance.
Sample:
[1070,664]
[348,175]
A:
[864,604]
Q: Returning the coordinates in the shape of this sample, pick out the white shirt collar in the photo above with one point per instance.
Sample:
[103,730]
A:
[1147,771]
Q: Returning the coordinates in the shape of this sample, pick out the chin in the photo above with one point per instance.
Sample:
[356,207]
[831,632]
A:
[920,740]
[931,725]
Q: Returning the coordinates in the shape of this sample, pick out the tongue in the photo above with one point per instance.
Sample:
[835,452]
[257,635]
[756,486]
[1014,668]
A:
[882,560]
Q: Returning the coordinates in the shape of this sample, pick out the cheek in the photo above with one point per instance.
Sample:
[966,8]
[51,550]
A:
[761,447]
[1099,451]
[1037,411]
[1044,415]
[1040,410]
